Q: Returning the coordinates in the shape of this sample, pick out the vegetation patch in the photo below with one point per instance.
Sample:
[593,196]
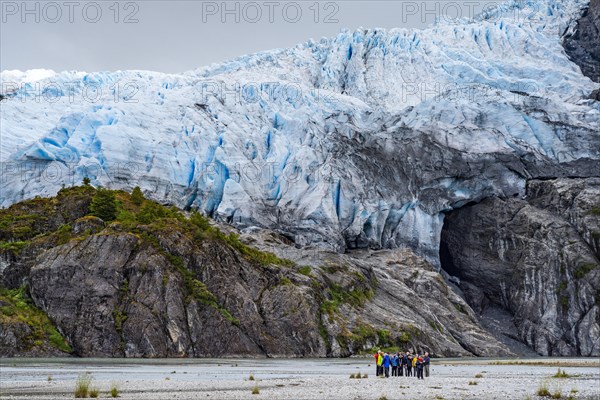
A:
[285,281]
[198,291]
[17,307]
[459,307]
[584,269]
[355,297]
[595,211]
[82,386]
[13,247]
[114,390]
[561,374]
[543,390]
[104,205]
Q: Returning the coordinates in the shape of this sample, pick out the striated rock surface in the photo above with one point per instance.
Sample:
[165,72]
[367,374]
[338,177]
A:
[582,43]
[536,258]
[171,289]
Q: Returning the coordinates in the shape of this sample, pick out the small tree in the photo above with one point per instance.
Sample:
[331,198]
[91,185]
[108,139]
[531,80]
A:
[137,197]
[104,205]
[86,181]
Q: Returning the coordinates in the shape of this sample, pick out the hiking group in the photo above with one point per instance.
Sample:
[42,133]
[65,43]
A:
[402,364]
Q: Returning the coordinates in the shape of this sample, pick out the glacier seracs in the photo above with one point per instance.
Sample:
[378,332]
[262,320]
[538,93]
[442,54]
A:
[364,139]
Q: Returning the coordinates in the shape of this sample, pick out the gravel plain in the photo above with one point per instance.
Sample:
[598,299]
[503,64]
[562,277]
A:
[297,379]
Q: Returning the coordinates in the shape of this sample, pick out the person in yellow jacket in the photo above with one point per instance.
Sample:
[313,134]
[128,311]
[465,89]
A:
[414,363]
[379,363]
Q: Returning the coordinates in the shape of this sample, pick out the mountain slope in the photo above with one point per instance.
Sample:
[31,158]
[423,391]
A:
[373,139]
[155,283]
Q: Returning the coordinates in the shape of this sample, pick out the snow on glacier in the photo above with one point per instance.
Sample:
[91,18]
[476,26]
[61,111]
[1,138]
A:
[284,138]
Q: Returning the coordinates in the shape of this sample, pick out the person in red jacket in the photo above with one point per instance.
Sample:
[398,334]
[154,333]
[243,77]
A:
[377,355]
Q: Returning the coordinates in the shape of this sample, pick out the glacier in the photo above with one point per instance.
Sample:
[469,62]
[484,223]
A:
[365,139]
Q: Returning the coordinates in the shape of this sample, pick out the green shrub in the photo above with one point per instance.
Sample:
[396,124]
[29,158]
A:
[151,211]
[13,247]
[114,390]
[285,281]
[305,270]
[543,391]
[199,221]
[556,395]
[104,205]
[261,257]
[137,197]
[82,386]
[561,374]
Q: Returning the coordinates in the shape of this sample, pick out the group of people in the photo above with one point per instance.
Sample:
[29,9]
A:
[402,364]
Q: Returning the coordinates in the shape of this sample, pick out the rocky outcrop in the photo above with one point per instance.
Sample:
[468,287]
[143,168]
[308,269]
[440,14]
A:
[536,258]
[582,44]
[172,289]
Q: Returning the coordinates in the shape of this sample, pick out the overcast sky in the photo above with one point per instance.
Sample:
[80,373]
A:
[176,36]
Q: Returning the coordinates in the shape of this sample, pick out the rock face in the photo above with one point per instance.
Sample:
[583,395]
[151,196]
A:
[535,258]
[161,290]
[392,136]
[582,44]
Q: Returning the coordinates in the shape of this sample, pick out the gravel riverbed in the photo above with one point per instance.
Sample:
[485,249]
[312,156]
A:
[297,379]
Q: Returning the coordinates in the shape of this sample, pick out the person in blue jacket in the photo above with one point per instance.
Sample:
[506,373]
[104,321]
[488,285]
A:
[386,364]
[394,364]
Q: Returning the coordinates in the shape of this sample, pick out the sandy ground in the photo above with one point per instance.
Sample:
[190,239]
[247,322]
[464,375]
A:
[296,379]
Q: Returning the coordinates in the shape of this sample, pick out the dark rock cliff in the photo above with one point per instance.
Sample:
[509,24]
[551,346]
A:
[537,259]
[170,287]
[583,44]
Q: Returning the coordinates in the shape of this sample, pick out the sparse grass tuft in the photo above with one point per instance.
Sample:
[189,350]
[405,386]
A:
[114,390]
[472,383]
[365,376]
[94,393]
[255,390]
[479,376]
[82,386]
[561,374]
[251,377]
[383,397]
[543,391]
[557,394]
[352,376]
